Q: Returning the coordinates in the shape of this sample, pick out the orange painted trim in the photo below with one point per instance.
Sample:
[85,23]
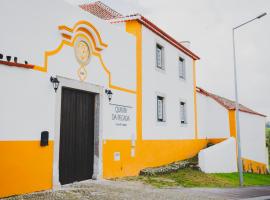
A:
[122,89]
[68,37]
[216,140]
[83,22]
[135,28]
[82,29]
[110,77]
[47,54]
[94,28]
[232,123]
[195,100]
[62,27]
[254,166]
[148,153]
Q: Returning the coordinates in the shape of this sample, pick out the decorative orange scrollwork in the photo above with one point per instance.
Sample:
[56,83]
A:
[83,55]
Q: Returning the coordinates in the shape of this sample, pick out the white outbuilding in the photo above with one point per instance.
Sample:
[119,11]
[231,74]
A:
[217,120]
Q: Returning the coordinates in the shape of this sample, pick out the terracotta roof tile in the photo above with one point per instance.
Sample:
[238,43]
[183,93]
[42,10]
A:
[101,10]
[227,103]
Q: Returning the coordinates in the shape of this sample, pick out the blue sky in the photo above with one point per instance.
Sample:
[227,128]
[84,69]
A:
[207,24]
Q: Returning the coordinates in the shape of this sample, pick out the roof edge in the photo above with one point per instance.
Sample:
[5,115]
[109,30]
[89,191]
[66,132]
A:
[214,97]
[150,25]
[253,113]
[154,28]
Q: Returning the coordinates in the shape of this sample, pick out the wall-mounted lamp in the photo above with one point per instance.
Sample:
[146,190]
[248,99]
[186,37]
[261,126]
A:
[109,94]
[55,83]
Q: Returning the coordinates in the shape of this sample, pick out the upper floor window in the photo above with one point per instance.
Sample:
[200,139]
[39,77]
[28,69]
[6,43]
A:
[182,68]
[159,56]
[160,109]
[183,112]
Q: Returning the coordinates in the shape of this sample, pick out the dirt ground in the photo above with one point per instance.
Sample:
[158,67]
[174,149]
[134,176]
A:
[120,190]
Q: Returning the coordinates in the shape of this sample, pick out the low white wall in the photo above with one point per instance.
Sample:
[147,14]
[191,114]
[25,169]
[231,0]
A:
[220,158]
[252,134]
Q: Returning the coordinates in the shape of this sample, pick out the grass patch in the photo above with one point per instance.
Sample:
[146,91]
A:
[194,178]
[249,179]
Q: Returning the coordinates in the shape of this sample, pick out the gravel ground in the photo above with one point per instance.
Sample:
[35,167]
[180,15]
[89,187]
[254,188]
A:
[120,190]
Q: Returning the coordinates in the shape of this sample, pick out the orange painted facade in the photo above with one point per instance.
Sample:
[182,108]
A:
[253,166]
[232,121]
[25,167]
[146,155]
[216,141]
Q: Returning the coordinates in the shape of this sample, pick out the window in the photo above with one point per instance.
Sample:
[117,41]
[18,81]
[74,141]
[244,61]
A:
[183,115]
[160,109]
[182,68]
[159,56]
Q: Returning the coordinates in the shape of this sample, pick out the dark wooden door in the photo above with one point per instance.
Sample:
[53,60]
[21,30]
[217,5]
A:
[76,136]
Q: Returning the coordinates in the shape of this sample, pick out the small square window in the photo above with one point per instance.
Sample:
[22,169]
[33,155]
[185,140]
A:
[159,56]
[183,114]
[182,68]
[160,109]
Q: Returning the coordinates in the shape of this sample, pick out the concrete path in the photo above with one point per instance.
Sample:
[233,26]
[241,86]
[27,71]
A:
[122,190]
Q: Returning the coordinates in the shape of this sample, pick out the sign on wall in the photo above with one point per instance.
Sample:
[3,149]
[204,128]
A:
[121,114]
[120,121]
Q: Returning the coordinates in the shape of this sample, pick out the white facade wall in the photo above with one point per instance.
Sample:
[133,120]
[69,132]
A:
[219,158]
[28,101]
[252,134]
[168,84]
[213,118]
[27,104]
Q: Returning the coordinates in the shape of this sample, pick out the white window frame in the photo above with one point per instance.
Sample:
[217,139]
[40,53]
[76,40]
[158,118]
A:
[162,67]
[163,108]
[185,113]
[182,63]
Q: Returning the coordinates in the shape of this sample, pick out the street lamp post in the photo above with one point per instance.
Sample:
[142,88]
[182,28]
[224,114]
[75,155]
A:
[239,154]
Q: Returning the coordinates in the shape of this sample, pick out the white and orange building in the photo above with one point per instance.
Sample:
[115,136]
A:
[126,98]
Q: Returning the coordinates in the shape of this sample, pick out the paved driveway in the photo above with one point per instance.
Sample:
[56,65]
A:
[120,190]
